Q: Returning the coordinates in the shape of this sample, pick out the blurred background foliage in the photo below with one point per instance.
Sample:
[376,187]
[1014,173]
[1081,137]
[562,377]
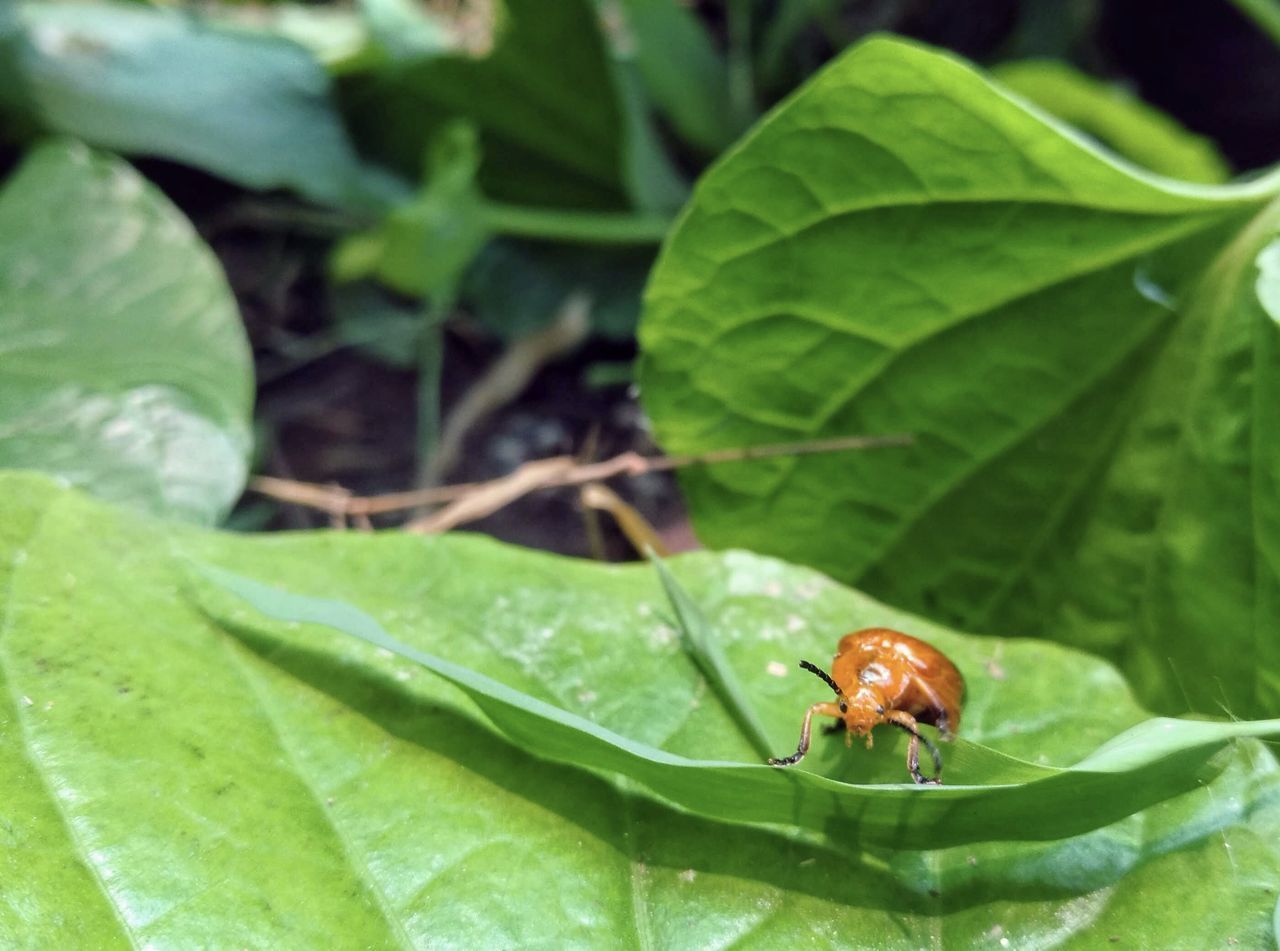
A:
[402,191]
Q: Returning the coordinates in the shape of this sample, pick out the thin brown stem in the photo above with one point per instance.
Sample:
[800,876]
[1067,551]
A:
[555,472]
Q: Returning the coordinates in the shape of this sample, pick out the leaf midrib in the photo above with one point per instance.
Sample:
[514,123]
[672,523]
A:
[878,368]
[999,449]
[1208,215]
[1058,511]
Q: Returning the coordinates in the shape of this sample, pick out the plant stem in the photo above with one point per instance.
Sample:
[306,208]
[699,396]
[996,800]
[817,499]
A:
[585,227]
[554,472]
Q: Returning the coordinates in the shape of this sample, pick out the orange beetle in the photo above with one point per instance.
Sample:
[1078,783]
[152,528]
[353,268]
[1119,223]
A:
[885,676]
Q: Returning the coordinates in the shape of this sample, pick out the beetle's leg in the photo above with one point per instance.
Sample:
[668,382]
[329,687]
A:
[905,721]
[823,710]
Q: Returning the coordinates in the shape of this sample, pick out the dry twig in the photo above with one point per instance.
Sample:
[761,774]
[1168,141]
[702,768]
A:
[507,379]
[468,501]
[636,527]
[491,496]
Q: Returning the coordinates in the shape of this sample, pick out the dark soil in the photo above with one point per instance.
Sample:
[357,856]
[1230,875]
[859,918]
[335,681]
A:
[333,415]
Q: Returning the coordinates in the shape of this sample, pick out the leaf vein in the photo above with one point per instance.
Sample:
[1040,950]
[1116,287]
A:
[357,859]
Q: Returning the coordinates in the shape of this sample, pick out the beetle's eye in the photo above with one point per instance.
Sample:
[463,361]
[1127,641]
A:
[880,710]
[844,707]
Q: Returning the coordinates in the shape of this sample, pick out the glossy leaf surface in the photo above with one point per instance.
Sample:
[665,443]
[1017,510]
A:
[95,262]
[248,106]
[1077,347]
[178,769]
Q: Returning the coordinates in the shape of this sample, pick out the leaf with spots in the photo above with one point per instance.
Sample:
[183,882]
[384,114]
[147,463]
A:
[180,769]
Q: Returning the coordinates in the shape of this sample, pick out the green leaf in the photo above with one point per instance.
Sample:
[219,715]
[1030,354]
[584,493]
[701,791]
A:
[1268,286]
[332,34]
[12,94]
[517,287]
[250,107]
[543,99]
[996,796]
[1209,604]
[1077,347]
[379,323]
[403,29]
[125,367]
[1265,15]
[423,246]
[684,74]
[652,182]
[702,646]
[1118,119]
[176,774]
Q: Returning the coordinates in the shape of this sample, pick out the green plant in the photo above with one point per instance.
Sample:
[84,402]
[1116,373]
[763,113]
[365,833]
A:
[126,367]
[1079,348]
[383,739]
[181,763]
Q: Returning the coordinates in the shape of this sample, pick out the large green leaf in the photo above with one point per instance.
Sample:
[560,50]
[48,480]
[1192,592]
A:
[179,772]
[124,366]
[988,795]
[250,107]
[1076,345]
[544,99]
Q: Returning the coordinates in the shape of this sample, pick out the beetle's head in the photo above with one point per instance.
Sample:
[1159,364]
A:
[863,710]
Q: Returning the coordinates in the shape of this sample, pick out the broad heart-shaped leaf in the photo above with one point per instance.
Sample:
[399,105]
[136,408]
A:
[177,771]
[250,107]
[543,98]
[124,366]
[1076,346]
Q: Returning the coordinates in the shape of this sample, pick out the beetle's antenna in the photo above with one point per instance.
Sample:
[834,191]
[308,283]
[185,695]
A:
[826,677]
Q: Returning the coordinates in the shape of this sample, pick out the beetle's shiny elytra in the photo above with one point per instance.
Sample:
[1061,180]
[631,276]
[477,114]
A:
[884,676]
